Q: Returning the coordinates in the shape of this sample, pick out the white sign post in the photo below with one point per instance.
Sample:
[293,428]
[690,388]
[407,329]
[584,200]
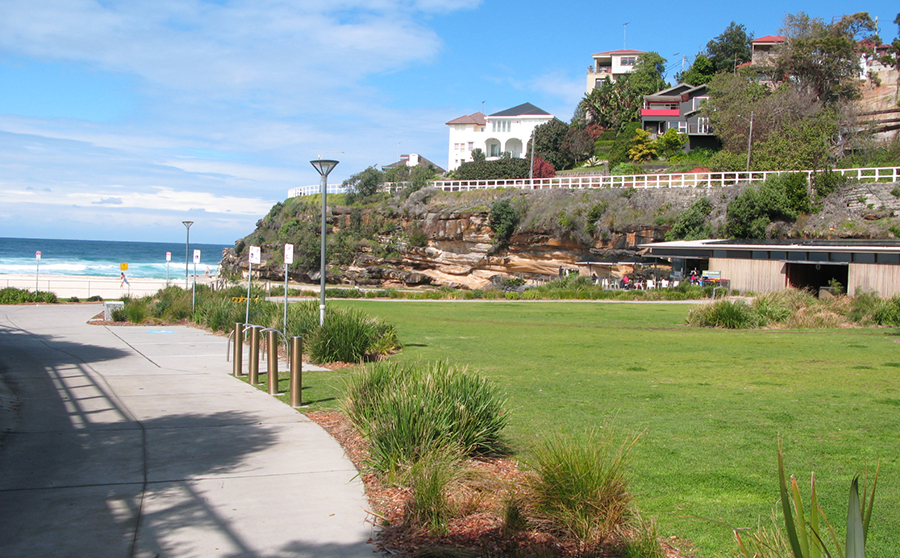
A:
[37,271]
[194,284]
[288,259]
[168,259]
[255,258]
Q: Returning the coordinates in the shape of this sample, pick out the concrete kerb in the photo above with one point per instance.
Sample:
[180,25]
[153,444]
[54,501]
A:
[142,435]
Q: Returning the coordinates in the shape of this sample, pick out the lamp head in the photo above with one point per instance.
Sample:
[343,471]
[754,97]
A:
[187,224]
[324,166]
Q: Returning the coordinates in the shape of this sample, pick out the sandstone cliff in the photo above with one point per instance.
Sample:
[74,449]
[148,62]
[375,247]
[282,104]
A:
[445,239]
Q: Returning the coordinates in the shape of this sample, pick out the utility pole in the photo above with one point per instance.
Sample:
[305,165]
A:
[624,35]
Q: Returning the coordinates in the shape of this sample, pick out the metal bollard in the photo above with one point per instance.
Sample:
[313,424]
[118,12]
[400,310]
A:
[238,349]
[254,355]
[272,349]
[296,371]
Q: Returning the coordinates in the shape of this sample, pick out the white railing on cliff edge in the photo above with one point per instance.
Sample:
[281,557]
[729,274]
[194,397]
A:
[674,180]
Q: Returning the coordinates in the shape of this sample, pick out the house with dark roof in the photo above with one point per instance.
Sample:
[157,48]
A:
[610,65]
[679,107]
[414,160]
[507,131]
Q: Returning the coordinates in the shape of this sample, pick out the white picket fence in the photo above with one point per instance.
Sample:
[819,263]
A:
[674,180]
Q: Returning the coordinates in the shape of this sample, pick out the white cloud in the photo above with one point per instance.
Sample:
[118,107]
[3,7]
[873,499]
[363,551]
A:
[231,100]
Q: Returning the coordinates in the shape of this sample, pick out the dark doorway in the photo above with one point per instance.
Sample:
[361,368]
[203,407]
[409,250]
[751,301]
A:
[813,276]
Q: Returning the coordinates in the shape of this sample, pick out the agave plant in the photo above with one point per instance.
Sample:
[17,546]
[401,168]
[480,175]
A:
[805,535]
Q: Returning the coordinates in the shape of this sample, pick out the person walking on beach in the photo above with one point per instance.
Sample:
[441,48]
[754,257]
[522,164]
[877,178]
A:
[124,280]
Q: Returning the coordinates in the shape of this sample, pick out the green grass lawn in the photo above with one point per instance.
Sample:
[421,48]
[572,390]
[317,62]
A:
[710,403]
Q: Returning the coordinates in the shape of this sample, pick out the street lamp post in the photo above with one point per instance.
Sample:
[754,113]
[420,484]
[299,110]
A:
[323,166]
[187,244]
[749,137]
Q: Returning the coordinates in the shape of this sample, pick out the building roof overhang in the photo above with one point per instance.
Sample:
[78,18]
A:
[792,250]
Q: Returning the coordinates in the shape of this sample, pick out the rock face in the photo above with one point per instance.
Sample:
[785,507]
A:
[439,239]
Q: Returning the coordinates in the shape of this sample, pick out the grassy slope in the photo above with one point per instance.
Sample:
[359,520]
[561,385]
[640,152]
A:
[711,402]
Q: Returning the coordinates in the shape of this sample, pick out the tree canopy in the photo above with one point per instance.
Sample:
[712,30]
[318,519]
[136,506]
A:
[823,59]
[730,49]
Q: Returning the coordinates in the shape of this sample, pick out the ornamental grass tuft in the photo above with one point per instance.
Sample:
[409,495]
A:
[407,410]
[579,488]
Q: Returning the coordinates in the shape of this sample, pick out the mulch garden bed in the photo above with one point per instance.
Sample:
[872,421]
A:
[481,500]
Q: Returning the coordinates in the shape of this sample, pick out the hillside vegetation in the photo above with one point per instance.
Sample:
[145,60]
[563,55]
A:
[464,238]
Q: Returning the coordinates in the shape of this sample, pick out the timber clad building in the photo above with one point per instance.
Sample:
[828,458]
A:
[770,265]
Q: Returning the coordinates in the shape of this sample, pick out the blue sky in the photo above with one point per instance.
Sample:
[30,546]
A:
[121,118]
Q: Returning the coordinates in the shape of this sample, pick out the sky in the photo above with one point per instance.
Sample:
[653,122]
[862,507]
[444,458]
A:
[121,118]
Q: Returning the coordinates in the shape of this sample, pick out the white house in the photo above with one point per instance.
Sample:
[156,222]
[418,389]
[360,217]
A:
[610,65]
[504,131]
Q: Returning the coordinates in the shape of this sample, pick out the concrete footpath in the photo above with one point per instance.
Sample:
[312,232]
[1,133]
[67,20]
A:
[137,442]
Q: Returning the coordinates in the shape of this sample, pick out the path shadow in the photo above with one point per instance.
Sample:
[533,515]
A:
[79,476]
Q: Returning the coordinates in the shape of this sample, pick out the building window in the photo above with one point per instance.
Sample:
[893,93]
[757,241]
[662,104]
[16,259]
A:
[471,145]
[680,126]
[703,125]
[500,126]
[628,61]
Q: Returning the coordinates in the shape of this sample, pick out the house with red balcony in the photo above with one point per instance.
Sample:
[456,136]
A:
[679,107]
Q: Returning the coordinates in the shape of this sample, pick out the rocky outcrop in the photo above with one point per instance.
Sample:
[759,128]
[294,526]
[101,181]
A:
[441,239]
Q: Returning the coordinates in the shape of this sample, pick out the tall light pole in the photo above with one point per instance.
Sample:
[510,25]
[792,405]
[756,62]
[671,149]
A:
[749,137]
[323,166]
[187,244]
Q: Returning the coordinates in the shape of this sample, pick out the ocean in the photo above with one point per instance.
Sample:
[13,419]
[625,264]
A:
[103,258]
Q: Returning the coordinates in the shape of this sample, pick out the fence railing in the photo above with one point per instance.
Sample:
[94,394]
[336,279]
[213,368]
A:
[672,180]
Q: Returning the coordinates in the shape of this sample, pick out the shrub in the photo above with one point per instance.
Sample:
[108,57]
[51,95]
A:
[827,182]
[417,237]
[692,224]
[407,410]
[503,219]
[579,488]
[779,198]
[725,313]
[12,295]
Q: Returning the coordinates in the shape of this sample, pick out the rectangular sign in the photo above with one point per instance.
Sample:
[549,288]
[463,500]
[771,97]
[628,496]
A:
[255,256]
[196,256]
[123,267]
[288,254]
[37,255]
[168,256]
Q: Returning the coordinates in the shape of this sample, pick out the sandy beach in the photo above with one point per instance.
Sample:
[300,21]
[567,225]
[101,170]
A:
[85,286]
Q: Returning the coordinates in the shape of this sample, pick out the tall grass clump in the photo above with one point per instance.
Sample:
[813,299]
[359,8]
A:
[406,410]
[136,310]
[778,306]
[430,481]
[643,540]
[579,488]
[729,314]
[350,335]
[887,312]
